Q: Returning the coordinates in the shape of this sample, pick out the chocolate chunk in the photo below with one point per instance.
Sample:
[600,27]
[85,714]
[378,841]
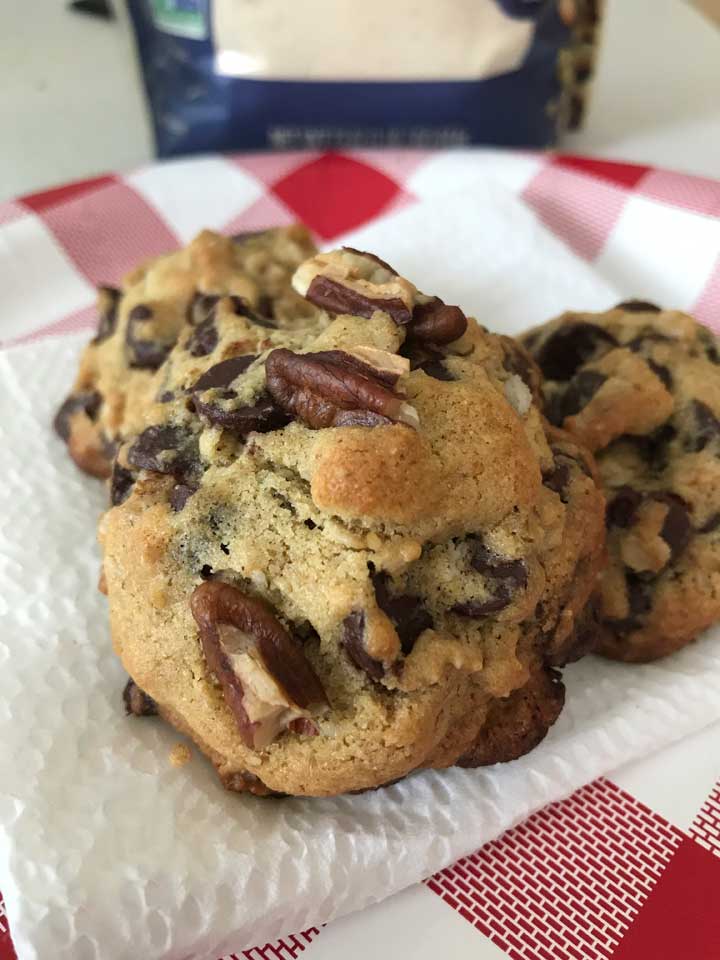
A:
[435,368]
[676,529]
[711,524]
[242,308]
[121,483]
[166,396]
[261,417]
[710,343]
[662,372]
[353,640]
[497,568]
[265,307]
[406,611]
[180,495]
[654,447]
[109,301]
[707,427]
[476,609]
[516,361]
[557,479]
[622,508]
[571,346]
[650,336]
[639,598]
[140,313]
[506,578]
[203,339]
[89,403]
[137,702]
[638,306]
[580,391]
[201,307]
[222,374]
[165,449]
[144,353]
[437,322]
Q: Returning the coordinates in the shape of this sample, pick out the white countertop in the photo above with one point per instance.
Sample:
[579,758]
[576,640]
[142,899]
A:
[72,105]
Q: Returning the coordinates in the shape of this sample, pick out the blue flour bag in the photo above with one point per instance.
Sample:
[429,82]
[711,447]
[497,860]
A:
[247,74]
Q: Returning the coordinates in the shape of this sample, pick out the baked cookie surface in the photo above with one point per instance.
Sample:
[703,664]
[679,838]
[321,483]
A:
[640,386]
[335,552]
[140,323]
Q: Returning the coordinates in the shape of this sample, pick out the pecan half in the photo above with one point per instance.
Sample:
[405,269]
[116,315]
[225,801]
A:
[334,388]
[266,680]
[357,283]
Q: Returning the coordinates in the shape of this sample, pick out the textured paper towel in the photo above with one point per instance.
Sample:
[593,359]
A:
[106,851]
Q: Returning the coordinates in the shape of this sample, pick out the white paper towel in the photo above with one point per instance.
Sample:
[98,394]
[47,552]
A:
[106,850]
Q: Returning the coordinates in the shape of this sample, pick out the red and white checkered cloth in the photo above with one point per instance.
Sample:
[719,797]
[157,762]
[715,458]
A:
[628,867]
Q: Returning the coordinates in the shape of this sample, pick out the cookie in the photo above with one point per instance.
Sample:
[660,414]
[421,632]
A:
[140,323]
[640,386]
[333,559]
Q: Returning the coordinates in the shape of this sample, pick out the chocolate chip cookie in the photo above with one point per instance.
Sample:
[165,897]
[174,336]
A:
[336,555]
[140,323]
[640,386]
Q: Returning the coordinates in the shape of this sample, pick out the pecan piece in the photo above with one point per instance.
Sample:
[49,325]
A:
[334,388]
[266,680]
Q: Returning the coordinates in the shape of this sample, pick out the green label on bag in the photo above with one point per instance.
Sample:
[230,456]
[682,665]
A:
[184,18]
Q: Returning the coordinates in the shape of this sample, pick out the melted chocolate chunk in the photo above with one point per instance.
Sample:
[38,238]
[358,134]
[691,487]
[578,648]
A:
[121,483]
[137,702]
[622,508]
[638,306]
[89,402]
[406,611]
[581,389]
[570,347]
[222,374]
[353,640]
[203,339]
[557,479]
[676,529]
[707,427]
[711,524]
[662,372]
[165,449]
[107,323]
[180,495]
[650,336]
[435,368]
[654,447]
[506,578]
[144,353]
[261,417]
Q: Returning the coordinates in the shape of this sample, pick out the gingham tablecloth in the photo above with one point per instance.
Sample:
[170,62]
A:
[628,867]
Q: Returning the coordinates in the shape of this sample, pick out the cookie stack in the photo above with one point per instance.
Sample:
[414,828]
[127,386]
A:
[353,534]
